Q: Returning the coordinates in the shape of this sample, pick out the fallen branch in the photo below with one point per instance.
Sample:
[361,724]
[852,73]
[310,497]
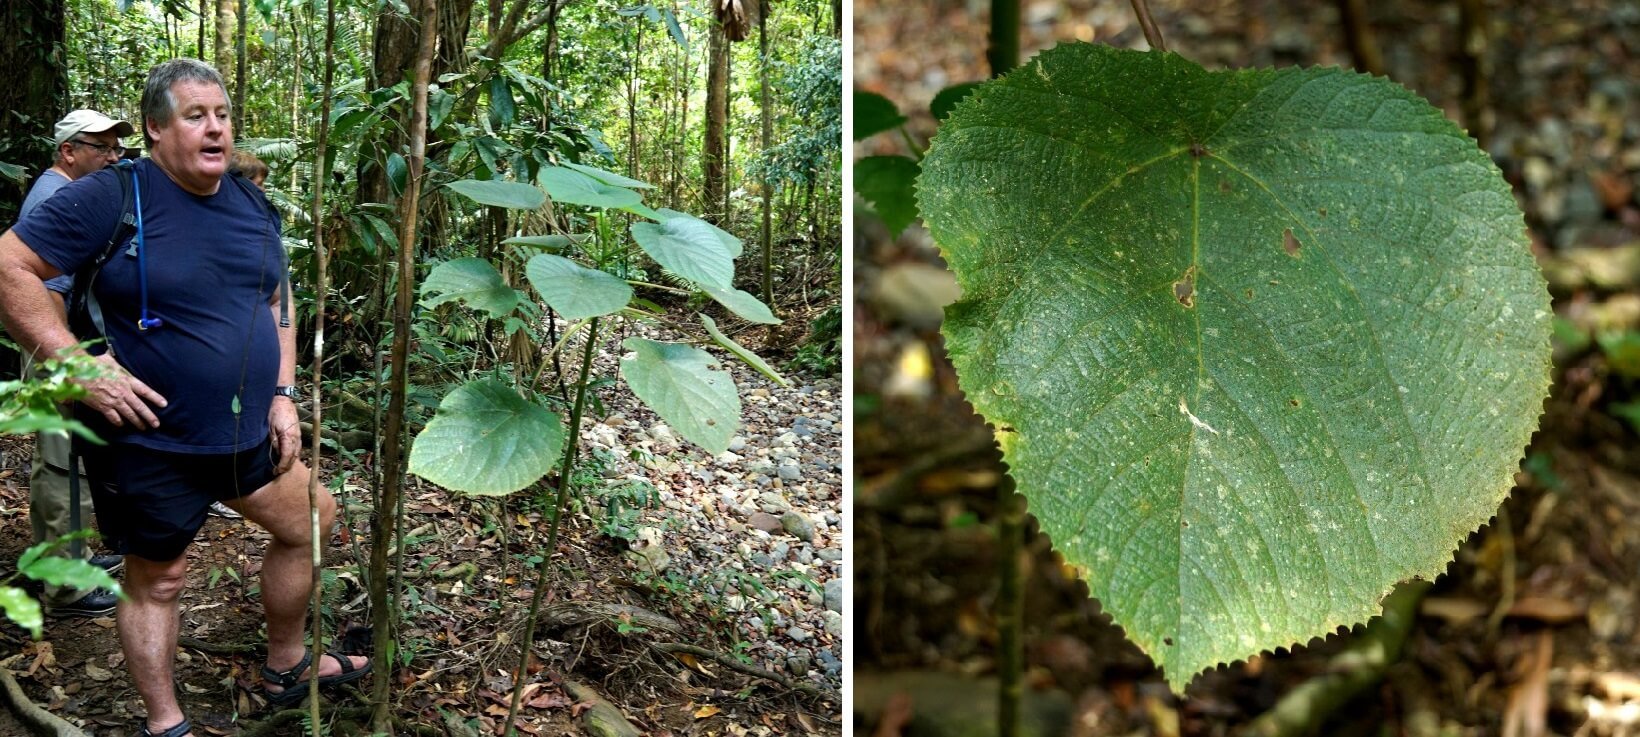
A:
[212,648]
[1306,708]
[674,648]
[573,613]
[39,721]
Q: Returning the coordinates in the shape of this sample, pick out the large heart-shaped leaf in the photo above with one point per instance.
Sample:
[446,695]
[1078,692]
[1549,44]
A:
[1257,345]
[729,241]
[687,387]
[608,177]
[572,187]
[486,439]
[470,280]
[576,291]
[743,304]
[689,247]
[499,193]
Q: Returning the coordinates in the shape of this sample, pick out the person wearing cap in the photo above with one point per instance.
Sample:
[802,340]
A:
[87,142]
[198,403]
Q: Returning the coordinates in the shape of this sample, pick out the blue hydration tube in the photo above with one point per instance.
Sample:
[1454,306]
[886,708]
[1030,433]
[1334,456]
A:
[144,322]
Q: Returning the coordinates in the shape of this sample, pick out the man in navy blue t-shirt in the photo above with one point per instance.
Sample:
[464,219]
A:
[197,404]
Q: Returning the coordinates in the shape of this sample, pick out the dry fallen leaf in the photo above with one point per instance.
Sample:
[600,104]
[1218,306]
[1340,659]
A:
[707,711]
[97,673]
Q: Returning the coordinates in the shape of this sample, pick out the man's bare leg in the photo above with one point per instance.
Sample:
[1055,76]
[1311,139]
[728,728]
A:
[281,508]
[147,623]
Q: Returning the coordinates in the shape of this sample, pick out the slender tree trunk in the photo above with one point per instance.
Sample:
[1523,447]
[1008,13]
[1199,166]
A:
[1358,32]
[632,100]
[317,215]
[199,48]
[382,619]
[1475,63]
[717,99]
[768,134]
[728,128]
[296,99]
[239,78]
[221,53]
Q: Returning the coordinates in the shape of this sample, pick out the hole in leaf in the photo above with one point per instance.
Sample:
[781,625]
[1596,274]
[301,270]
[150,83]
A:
[1185,523]
[710,422]
[1295,402]
[1168,641]
[1184,289]
[1322,210]
[1249,294]
[1289,243]
[1225,187]
[1197,150]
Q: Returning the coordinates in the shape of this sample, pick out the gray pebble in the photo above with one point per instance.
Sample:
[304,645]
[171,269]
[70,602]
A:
[834,595]
[797,634]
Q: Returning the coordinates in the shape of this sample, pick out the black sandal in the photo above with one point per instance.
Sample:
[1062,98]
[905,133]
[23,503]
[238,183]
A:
[182,728]
[294,688]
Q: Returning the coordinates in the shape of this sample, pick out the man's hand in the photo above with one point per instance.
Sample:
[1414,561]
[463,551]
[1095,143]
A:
[121,397]
[282,430]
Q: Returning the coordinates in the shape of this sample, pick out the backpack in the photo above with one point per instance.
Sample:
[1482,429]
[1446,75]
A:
[85,316]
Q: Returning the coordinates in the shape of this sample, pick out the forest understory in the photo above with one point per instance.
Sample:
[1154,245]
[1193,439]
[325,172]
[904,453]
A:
[692,594]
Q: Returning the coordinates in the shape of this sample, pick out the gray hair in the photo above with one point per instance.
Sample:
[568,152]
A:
[159,105]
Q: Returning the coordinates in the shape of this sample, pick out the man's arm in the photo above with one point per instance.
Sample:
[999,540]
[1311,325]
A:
[282,417]
[31,315]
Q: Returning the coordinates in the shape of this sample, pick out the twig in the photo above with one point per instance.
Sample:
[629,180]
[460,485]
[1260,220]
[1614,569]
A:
[212,648]
[40,721]
[1010,528]
[673,648]
[1506,578]
[1153,35]
[1353,671]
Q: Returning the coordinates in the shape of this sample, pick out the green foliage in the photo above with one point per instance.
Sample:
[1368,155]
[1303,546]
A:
[687,388]
[822,350]
[30,404]
[874,114]
[486,439]
[886,182]
[498,193]
[813,89]
[470,280]
[688,247]
[575,291]
[1257,345]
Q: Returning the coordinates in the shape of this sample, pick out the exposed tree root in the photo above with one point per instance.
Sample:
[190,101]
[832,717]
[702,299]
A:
[38,720]
[674,648]
[215,648]
[574,613]
[1306,708]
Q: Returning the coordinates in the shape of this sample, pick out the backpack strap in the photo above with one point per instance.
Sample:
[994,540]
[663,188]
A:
[85,318]
[261,198]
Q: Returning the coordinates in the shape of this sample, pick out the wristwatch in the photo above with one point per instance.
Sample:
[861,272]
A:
[288,392]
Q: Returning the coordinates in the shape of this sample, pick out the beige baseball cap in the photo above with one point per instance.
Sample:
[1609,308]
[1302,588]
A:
[90,121]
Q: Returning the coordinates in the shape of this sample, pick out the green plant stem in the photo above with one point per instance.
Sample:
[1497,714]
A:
[674,290]
[553,354]
[911,144]
[1003,54]
[566,470]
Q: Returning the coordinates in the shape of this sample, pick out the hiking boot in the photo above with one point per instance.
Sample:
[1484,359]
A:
[218,509]
[95,604]
[108,562]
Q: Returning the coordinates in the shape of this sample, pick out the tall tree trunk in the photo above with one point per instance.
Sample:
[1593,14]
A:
[768,133]
[381,532]
[239,76]
[728,129]
[717,112]
[221,54]
[632,100]
[295,98]
[199,48]
[33,38]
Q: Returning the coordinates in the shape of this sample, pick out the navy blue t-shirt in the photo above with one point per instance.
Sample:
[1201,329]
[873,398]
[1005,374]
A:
[214,264]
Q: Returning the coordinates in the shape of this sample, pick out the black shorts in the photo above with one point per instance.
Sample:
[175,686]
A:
[151,503]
